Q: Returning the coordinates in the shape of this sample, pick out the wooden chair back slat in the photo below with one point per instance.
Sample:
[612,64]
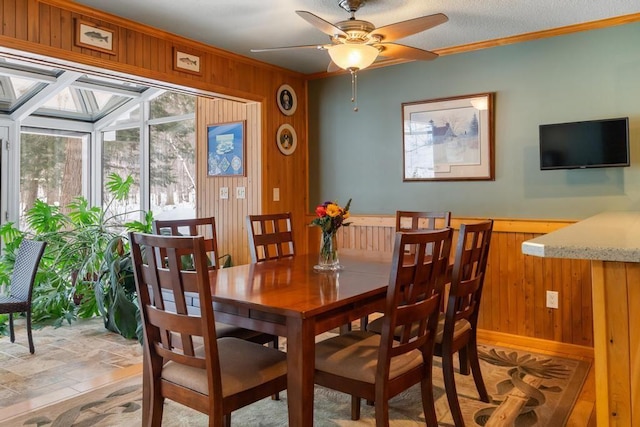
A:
[205,226]
[270,236]
[413,295]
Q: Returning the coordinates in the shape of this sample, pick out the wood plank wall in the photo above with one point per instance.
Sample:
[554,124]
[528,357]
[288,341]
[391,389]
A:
[44,30]
[514,295]
[229,213]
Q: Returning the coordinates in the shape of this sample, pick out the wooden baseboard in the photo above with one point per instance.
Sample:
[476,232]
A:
[554,347]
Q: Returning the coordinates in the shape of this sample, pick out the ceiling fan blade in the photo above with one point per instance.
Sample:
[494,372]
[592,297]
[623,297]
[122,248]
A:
[308,46]
[333,67]
[402,29]
[393,50]
[324,26]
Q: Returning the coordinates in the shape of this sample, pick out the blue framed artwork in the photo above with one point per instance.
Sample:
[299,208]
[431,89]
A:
[225,149]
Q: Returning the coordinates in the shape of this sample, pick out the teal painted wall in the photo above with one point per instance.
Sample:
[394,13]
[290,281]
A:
[581,76]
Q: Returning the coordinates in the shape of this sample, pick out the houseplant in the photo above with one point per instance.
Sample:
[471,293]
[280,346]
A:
[84,271]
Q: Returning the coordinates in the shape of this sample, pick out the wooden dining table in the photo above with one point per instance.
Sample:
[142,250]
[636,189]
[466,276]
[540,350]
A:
[288,298]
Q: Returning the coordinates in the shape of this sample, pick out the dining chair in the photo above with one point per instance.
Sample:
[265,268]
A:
[270,236]
[416,220]
[21,286]
[411,221]
[215,378]
[457,326]
[377,367]
[206,226]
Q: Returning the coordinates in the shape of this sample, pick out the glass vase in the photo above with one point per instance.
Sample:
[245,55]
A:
[328,258]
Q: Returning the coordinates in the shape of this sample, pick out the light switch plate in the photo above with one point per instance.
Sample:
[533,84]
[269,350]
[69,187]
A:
[240,193]
[552,299]
[224,192]
[276,194]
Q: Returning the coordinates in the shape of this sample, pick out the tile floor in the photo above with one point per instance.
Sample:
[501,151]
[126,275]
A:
[67,360]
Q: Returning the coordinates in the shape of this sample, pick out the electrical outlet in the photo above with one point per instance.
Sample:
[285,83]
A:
[240,193]
[552,299]
[224,192]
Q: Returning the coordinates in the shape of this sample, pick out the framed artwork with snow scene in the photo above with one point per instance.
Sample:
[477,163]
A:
[449,139]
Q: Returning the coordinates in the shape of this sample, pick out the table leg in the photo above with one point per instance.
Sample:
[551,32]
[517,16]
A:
[300,371]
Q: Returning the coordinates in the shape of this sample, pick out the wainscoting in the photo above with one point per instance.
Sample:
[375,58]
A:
[514,296]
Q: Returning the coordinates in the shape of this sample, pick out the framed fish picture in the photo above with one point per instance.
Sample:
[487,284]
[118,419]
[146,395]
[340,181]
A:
[96,37]
[187,61]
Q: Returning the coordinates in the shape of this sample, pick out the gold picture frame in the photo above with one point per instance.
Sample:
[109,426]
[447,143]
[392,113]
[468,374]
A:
[95,37]
[187,61]
[449,139]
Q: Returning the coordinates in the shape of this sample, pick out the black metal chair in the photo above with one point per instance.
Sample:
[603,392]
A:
[21,286]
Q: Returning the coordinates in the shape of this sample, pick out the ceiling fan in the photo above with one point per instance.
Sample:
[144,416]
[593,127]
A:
[355,44]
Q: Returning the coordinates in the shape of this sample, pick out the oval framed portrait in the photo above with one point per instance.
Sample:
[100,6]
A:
[287,100]
[286,139]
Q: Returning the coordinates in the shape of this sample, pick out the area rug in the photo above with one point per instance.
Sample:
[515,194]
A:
[527,389]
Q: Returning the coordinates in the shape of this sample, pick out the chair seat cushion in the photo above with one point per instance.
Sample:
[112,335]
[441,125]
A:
[9,304]
[243,365]
[355,355]
[462,325]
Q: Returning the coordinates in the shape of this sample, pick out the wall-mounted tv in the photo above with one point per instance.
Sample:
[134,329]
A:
[587,144]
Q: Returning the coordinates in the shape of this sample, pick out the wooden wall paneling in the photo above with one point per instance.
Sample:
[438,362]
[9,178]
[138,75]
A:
[557,314]
[9,18]
[566,300]
[529,292]
[617,303]
[33,20]
[491,290]
[22,19]
[66,37]
[44,26]
[517,283]
[146,51]
[583,282]
[633,299]
[503,285]
[230,213]
[549,313]
[54,30]
[154,62]
[514,295]
[576,301]
[139,50]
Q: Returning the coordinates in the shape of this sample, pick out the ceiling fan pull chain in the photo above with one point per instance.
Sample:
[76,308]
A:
[354,89]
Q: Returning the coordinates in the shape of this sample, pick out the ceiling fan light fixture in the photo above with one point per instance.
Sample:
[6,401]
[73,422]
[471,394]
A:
[353,56]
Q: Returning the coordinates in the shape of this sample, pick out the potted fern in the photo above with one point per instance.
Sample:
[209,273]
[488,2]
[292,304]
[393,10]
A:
[85,270]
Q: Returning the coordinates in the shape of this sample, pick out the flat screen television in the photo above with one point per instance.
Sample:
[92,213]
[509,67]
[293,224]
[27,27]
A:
[587,144]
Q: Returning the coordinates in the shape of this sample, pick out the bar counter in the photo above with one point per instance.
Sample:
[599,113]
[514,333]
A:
[611,241]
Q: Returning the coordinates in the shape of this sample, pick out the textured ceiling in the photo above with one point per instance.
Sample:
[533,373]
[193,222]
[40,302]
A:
[240,25]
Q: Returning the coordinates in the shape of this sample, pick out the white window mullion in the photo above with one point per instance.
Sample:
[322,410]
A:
[145,158]
[95,174]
